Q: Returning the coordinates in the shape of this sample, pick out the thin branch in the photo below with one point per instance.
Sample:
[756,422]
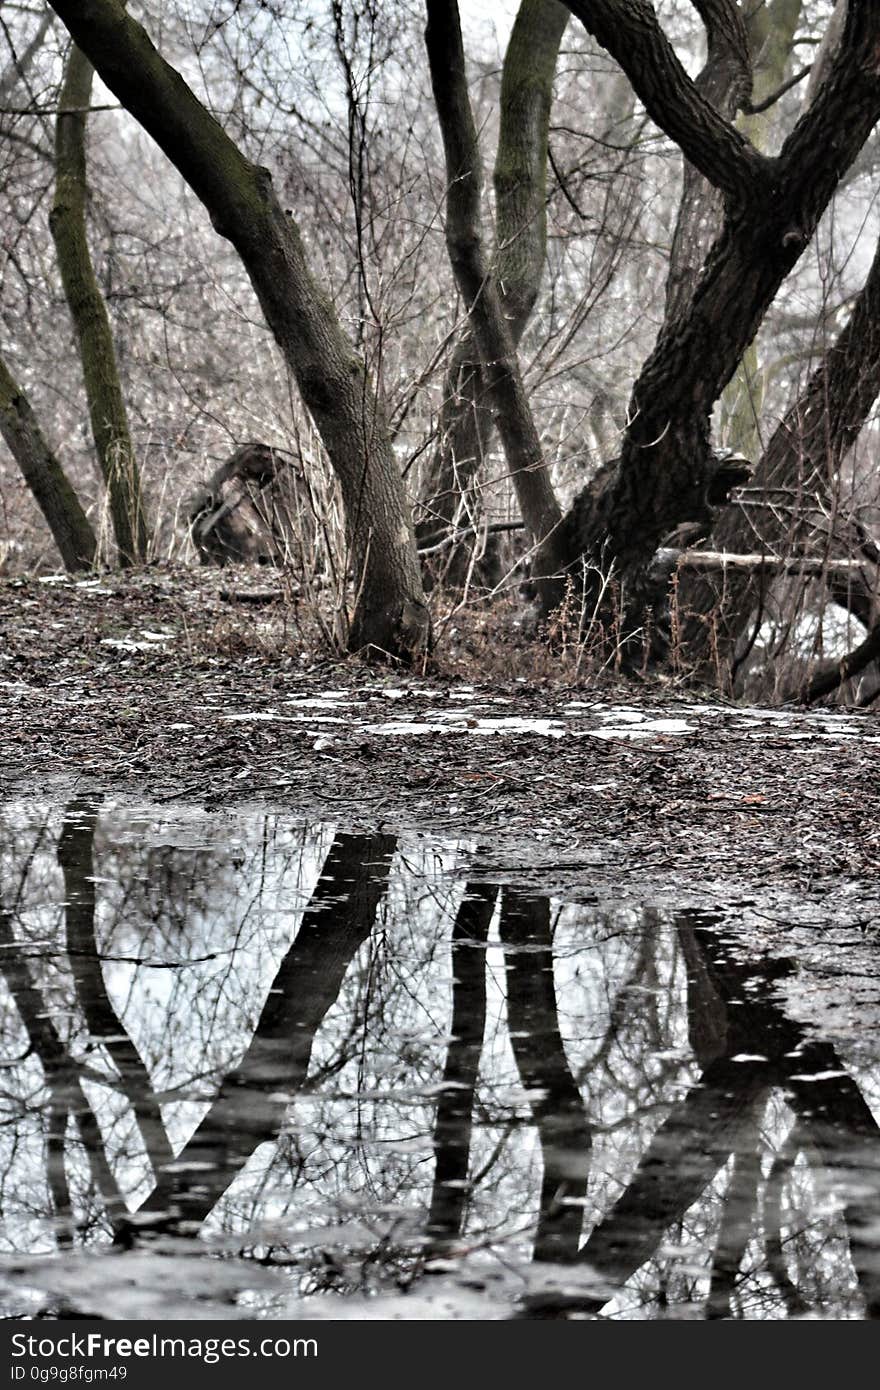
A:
[755,108]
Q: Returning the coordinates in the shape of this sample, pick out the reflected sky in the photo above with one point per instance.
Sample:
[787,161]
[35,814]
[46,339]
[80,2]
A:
[287,1070]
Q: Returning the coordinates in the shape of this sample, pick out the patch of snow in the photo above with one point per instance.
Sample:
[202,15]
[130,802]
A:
[548,728]
[648,729]
[273,717]
[128,644]
[331,698]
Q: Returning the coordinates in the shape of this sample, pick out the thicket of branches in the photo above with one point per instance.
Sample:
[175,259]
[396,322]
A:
[675,257]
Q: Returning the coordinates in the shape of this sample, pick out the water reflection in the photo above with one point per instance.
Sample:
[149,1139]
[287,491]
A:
[343,1066]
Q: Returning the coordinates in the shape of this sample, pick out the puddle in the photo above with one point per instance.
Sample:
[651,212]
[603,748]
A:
[281,1071]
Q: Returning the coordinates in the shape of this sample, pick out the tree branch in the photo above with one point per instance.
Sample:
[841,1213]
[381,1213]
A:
[833,676]
[836,124]
[630,31]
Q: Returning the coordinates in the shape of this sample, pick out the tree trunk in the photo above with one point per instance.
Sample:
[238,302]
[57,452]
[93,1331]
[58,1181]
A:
[390,614]
[726,82]
[67,222]
[772,207]
[479,290]
[466,422]
[46,479]
[804,454]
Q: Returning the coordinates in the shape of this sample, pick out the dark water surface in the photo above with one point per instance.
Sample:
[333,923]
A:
[251,1069]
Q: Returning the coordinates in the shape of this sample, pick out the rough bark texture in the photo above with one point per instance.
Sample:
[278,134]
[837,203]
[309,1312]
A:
[46,479]
[726,82]
[771,30]
[390,613]
[94,339]
[466,423]
[804,455]
[479,290]
[772,209]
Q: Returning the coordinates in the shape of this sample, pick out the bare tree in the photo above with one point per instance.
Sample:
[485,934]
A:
[390,613]
[67,221]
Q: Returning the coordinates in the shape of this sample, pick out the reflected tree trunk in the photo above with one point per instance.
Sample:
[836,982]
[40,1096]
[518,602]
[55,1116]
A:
[76,857]
[716,1119]
[835,1117]
[738,1212]
[62,1075]
[774,1250]
[554,1098]
[453,1124]
[254,1096]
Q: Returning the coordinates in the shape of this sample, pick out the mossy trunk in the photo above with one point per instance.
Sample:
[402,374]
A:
[44,476]
[94,338]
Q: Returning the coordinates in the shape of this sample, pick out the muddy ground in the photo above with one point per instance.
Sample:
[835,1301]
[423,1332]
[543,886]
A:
[175,686]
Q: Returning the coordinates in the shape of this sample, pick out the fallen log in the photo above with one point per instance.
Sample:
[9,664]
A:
[667,559]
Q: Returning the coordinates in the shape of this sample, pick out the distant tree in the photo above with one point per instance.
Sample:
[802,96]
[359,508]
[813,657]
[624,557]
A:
[67,221]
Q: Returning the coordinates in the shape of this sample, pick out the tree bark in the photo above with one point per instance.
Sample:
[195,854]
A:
[479,290]
[46,479]
[804,454]
[390,615]
[94,339]
[772,207]
[726,82]
[466,423]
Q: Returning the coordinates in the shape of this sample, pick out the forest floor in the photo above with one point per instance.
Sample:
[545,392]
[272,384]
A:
[156,686]
[154,690]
